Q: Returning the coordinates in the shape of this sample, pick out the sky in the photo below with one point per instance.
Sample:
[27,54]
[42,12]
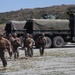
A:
[13,5]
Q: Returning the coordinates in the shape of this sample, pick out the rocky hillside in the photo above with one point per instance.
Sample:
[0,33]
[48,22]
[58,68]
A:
[24,14]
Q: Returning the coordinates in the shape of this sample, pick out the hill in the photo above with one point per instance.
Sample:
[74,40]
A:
[24,14]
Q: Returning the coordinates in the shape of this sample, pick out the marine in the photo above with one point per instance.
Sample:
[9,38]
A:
[16,44]
[3,47]
[42,43]
[11,39]
[29,45]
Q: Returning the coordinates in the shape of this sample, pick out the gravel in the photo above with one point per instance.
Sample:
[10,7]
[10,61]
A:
[56,61]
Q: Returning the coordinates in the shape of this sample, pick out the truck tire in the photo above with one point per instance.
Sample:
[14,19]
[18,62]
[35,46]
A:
[48,42]
[58,42]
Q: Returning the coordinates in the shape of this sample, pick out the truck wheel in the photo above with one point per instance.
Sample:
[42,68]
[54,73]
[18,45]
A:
[58,42]
[48,42]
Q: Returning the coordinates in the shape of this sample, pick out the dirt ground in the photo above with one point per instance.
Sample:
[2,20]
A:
[56,61]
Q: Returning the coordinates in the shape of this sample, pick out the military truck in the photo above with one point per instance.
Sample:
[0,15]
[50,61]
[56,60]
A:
[57,31]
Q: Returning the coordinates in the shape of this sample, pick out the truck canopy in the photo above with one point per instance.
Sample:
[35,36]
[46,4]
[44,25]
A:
[50,24]
[14,25]
[47,24]
[17,25]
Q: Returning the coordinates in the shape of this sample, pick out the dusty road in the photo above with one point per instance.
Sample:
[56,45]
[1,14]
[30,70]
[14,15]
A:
[56,61]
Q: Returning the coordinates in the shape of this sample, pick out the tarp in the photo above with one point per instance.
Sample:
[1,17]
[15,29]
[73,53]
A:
[51,24]
[18,25]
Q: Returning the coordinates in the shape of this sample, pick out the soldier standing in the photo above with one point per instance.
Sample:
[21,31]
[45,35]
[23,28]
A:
[16,44]
[11,39]
[8,45]
[3,44]
[33,43]
[24,45]
[42,43]
[29,45]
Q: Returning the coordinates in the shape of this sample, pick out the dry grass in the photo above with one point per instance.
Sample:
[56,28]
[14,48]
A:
[2,26]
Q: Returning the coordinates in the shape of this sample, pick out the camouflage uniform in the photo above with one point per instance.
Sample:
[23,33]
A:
[11,39]
[3,44]
[29,45]
[16,44]
[24,45]
[42,43]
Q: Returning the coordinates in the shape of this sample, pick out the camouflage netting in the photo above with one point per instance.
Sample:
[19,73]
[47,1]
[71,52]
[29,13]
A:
[18,25]
[50,24]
